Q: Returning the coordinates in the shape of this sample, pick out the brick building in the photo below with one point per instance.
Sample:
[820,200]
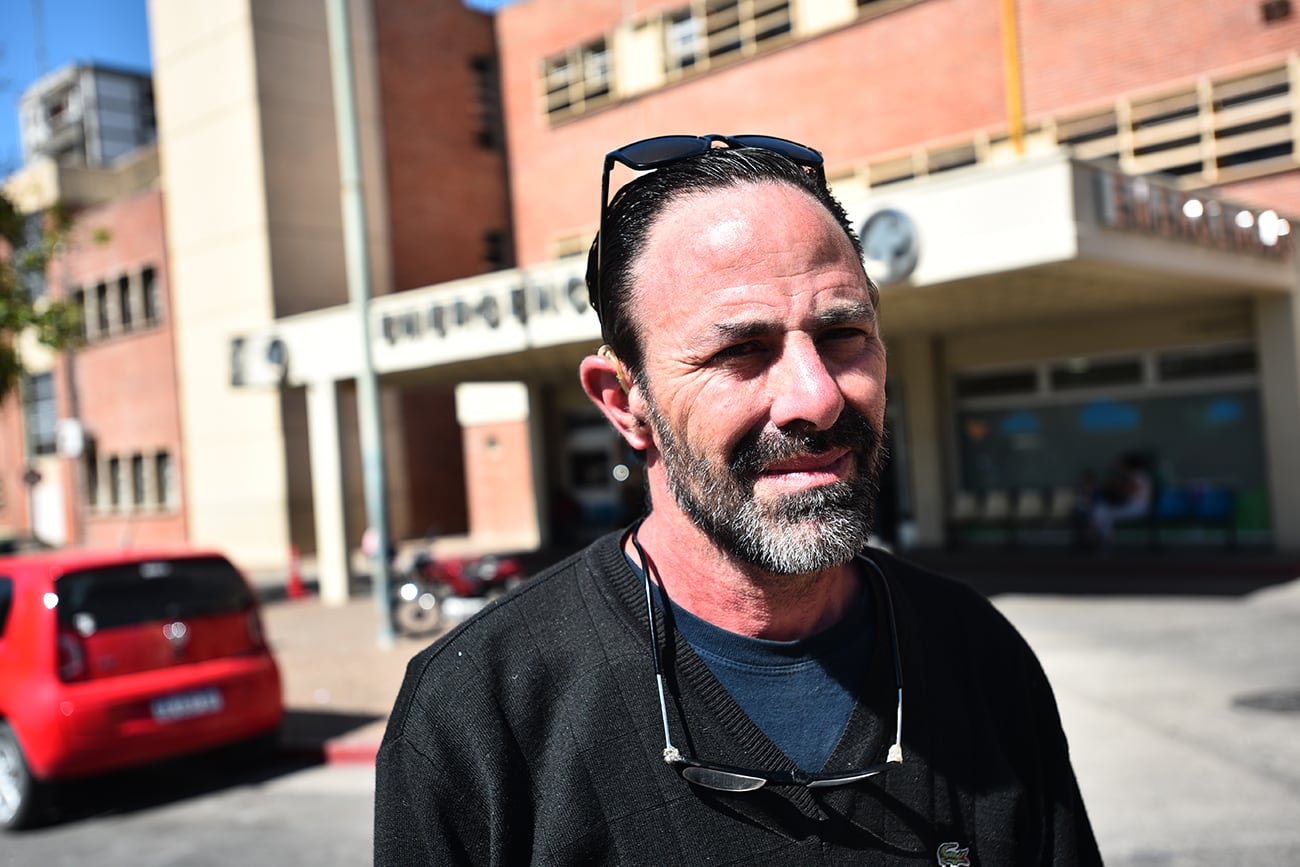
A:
[1108,269]
[251,172]
[99,423]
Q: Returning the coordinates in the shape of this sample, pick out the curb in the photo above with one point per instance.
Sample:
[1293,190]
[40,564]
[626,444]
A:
[337,751]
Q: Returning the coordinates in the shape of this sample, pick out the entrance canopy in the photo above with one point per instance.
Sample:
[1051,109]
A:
[1042,238]
[1052,237]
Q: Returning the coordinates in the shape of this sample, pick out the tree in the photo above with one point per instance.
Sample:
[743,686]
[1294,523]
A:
[28,243]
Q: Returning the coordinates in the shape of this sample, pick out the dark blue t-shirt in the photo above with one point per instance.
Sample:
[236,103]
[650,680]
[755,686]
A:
[799,693]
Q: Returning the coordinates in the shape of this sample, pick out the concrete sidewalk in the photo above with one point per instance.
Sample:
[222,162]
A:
[339,685]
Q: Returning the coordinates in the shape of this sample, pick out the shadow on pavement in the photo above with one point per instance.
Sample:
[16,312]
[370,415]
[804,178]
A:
[302,743]
[1185,572]
[171,781]
[307,733]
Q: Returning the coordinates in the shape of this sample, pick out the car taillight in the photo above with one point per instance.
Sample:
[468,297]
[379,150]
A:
[255,636]
[72,657]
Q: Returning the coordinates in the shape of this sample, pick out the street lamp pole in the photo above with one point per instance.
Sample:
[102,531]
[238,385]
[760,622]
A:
[358,273]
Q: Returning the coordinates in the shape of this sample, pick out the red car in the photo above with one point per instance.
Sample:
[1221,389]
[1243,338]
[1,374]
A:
[119,658]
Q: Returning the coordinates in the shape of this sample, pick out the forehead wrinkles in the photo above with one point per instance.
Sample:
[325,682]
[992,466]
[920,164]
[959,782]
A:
[705,233]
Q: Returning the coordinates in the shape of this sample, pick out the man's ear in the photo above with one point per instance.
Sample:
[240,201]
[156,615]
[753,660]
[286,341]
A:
[604,379]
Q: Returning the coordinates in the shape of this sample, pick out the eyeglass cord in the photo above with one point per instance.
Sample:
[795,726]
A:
[671,753]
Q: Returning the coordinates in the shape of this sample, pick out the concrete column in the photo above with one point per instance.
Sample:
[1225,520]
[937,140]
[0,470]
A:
[1277,323]
[537,411]
[327,491]
[499,477]
[912,360]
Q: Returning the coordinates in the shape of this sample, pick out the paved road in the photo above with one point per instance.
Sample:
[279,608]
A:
[201,814]
[1176,767]
[1175,764]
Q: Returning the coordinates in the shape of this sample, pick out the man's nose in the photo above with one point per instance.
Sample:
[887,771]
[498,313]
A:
[803,390]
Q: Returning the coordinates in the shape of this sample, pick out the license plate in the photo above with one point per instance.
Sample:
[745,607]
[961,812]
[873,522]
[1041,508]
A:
[186,705]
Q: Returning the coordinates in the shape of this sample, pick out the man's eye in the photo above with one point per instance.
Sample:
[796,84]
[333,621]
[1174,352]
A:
[739,350]
[840,335]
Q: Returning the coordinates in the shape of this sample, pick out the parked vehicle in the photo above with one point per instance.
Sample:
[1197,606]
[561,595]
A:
[436,591]
[115,659]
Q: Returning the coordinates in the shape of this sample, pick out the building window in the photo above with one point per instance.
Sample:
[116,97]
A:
[115,497]
[40,414]
[91,458]
[683,41]
[33,240]
[1095,373]
[78,300]
[577,80]
[738,27]
[494,250]
[101,310]
[162,479]
[1000,383]
[137,480]
[487,103]
[124,302]
[1207,363]
[152,297]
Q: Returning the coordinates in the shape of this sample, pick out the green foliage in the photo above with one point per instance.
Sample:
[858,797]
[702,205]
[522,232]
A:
[24,260]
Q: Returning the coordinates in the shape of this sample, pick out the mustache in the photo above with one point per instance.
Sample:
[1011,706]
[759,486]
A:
[759,448]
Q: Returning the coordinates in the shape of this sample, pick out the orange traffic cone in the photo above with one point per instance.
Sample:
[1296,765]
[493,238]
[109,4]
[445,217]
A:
[295,590]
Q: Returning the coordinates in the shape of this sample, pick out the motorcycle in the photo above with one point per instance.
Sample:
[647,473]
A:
[435,592]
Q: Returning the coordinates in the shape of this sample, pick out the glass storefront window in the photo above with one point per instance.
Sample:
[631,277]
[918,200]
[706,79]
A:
[1181,435]
[1095,373]
[1208,363]
[996,383]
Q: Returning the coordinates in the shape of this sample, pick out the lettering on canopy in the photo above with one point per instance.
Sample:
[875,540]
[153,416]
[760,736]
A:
[1135,203]
[489,308]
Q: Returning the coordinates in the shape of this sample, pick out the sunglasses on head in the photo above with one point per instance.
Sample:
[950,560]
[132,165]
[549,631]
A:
[663,150]
[729,778]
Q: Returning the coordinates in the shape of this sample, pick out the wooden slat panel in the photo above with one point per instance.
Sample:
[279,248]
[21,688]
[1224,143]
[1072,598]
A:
[1102,147]
[1153,135]
[1161,160]
[1250,141]
[1249,112]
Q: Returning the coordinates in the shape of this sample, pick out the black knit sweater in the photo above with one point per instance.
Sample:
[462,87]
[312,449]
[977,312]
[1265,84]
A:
[532,734]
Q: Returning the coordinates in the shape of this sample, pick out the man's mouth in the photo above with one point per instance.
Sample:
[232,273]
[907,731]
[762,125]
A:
[807,471]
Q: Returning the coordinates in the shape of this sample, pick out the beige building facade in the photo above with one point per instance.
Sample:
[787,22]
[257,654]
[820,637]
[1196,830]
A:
[1113,273]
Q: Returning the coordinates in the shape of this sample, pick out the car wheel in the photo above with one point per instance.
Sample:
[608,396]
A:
[419,616]
[21,794]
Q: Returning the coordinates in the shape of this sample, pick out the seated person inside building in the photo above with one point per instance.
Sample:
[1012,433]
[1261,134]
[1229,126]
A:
[1126,497]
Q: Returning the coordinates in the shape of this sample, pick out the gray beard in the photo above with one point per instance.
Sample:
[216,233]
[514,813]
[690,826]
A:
[796,534]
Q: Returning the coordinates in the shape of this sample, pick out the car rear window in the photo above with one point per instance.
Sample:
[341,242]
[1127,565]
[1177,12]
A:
[6,601]
[131,593]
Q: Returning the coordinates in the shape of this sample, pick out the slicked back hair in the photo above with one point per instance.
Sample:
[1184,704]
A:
[634,209]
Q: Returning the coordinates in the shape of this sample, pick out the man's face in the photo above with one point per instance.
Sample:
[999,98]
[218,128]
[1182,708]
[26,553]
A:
[765,375]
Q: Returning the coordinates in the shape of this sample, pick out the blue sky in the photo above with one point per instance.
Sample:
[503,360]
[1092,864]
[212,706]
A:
[111,32]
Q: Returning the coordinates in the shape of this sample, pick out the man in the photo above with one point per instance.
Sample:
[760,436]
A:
[722,683]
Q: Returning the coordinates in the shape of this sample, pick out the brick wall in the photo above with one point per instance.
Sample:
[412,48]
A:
[927,72]
[499,479]
[1077,52]
[923,72]
[1280,192]
[444,190]
[126,385]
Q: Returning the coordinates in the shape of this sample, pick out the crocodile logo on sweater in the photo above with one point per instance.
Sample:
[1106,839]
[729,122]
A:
[952,855]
